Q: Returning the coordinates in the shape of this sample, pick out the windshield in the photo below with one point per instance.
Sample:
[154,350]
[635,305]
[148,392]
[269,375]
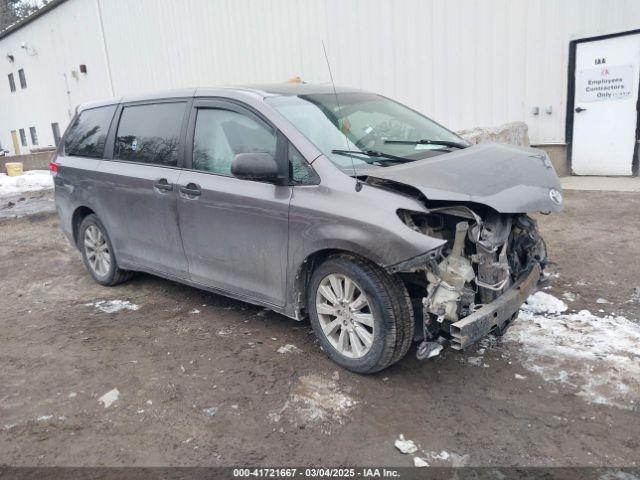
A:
[365,122]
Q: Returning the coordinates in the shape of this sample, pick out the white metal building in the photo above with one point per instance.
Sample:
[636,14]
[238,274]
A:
[465,63]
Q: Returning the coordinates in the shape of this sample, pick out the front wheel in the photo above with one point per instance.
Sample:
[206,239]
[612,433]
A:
[361,315]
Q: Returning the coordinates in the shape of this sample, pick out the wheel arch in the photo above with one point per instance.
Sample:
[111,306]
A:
[309,264]
[79,214]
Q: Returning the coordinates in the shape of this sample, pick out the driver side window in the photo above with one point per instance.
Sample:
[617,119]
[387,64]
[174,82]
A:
[220,135]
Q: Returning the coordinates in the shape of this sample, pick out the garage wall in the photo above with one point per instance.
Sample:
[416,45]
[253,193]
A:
[465,63]
[58,42]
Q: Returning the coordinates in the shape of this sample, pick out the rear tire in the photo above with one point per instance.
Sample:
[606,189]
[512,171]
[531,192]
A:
[97,253]
[378,329]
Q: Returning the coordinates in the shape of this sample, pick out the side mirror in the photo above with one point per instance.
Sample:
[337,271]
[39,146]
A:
[260,167]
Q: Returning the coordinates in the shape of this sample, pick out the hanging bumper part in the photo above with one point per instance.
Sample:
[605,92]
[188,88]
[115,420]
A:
[495,315]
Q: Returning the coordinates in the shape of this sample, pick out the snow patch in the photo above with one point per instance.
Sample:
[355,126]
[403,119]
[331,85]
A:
[108,398]
[44,418]
[113,306]
[541,302]
[477,362]
[288,348]
[209,412]
[419,462]
[600,356]
[315,400]
[449,458]
[405,446]
[29,181]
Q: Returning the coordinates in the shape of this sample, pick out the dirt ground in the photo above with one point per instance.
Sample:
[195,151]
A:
[205,380]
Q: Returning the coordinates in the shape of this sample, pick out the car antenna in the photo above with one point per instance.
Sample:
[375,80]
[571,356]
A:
[353,165]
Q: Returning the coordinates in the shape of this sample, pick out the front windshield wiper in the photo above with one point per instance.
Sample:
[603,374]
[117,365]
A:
[425,141]
[371,153]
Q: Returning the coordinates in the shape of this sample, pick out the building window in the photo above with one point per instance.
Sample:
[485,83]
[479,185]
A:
[34,135]
[23,80]
[12,83]
[55,128]
[23,137]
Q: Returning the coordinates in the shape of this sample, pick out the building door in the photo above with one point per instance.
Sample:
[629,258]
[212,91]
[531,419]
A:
[16,143]
[605,115]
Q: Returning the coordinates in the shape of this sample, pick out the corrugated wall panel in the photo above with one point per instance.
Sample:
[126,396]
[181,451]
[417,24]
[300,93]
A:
[465,63]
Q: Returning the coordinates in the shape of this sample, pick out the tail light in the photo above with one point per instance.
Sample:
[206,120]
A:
[53,167]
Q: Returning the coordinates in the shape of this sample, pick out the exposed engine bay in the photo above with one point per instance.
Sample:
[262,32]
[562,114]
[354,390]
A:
[484,257]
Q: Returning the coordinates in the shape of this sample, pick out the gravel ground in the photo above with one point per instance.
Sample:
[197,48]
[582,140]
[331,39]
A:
[155,373]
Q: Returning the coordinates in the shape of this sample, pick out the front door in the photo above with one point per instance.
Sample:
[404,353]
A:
[605,105]
[234,232]
[16,143]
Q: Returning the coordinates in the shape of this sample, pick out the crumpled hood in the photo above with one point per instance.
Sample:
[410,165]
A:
[506,178]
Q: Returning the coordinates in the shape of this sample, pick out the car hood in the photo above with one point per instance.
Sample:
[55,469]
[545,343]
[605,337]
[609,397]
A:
[506,178]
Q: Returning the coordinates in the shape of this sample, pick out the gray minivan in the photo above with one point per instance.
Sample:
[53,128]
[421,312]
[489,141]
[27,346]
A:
[342,206]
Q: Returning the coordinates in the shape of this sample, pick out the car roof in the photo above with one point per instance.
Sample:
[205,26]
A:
[261,90]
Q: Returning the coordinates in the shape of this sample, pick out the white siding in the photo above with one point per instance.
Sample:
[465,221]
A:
[64,38]
[465,63]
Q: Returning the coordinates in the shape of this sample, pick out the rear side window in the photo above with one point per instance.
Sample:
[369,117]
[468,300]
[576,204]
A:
[150,133]
[220,135]
[87,135]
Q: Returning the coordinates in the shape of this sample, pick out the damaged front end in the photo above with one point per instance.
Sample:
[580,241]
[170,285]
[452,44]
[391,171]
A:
[477,281]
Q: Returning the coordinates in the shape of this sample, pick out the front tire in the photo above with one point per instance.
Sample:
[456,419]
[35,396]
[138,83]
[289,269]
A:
[97,253]
[361,315]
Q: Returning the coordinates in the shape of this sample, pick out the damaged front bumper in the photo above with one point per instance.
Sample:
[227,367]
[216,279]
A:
[497,315]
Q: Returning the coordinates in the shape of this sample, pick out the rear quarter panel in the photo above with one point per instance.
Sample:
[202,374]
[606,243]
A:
[75,186]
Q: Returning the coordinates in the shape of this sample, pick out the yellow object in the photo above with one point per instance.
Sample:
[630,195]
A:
[14,169]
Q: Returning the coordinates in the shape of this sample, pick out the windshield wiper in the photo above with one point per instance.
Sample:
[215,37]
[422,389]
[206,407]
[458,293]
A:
[371,153]
[425,141]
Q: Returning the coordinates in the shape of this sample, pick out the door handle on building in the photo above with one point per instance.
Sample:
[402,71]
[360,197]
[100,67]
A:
[580,109]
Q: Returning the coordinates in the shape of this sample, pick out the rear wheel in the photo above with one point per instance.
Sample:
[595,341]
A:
[361,315]
[97,253]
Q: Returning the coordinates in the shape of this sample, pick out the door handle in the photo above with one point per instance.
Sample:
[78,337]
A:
[580,109]
[163,184]
[191,190]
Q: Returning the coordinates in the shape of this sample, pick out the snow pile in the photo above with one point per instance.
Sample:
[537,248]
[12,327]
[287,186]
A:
[600,356]
[113,306]
[541,302]
[29,181]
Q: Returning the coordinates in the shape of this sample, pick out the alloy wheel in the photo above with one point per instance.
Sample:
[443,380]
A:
[345,315]
[97,250]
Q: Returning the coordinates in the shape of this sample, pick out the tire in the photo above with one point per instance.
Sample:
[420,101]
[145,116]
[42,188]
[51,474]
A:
[93,232]
[390,335]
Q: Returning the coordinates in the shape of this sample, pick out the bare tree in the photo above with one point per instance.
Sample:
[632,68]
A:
[12,11]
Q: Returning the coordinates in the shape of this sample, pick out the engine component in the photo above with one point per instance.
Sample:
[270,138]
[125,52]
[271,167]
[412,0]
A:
[447,286]
[455,269]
